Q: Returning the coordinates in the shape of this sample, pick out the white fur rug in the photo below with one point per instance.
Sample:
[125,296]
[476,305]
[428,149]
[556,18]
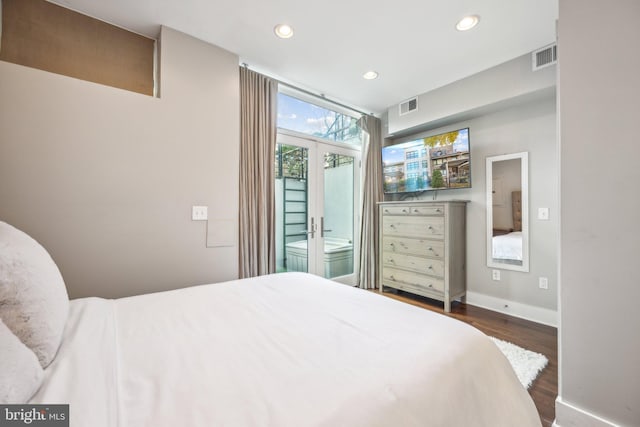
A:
[527,364]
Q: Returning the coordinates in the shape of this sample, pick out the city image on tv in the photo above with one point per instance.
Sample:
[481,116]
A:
[432,163]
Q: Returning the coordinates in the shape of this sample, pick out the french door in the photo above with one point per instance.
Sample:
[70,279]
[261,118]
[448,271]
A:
[317,209]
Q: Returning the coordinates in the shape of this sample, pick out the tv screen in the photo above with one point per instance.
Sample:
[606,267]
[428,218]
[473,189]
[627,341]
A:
[437,162]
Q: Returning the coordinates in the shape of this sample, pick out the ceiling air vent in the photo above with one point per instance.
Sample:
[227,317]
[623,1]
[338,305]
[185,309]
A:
[408,106]
[544,57]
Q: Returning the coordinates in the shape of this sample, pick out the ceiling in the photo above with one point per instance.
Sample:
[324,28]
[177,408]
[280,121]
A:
[412,44]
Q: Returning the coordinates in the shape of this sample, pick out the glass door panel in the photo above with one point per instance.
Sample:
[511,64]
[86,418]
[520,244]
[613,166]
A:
[292,207]
[337,221]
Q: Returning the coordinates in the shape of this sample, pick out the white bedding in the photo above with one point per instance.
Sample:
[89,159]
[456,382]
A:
[282,350]
[508,246]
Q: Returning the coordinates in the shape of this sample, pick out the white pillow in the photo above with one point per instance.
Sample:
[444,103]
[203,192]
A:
[20,371]
[33,299]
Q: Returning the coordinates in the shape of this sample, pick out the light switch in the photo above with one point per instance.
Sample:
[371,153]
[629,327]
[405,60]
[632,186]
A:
[543,214]
[543,283]
[495,274]
[199,213]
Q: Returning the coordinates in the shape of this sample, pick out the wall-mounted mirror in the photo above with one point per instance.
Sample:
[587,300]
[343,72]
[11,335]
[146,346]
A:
[508,212]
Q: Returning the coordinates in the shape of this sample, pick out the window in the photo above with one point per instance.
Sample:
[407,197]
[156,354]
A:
[412,154]
[305,117]
[290,162]
[333,160]
[412,166]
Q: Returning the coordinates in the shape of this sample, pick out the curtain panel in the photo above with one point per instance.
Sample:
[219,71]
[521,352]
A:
[258,97]
[372,193]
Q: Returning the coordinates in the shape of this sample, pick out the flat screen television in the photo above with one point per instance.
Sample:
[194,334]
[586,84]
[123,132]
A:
[438,162]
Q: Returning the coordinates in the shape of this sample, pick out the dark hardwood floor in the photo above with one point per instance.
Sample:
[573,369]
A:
[530,335]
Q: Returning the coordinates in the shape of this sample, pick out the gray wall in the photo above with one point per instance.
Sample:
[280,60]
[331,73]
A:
[466,97]
[600,279]
[105,178]
[527,127]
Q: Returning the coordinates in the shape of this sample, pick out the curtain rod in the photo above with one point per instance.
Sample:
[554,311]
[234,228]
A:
[315,95]
[321,96]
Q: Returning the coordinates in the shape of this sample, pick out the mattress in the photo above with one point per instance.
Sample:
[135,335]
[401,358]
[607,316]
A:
[281,350]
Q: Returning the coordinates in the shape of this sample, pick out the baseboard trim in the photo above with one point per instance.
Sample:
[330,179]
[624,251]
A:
[568,415]
[513,308]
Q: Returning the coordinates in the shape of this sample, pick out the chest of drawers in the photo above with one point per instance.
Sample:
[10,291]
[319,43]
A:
[423,248]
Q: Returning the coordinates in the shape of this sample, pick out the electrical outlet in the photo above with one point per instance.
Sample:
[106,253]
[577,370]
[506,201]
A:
[543,283]
[495,274]
[199,213]
[543,214]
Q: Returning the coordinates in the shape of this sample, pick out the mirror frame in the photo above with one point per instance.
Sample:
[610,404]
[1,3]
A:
[524,171]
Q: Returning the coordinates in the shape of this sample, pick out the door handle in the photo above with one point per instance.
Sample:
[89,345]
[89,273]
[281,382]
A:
[322,230]
[312,229]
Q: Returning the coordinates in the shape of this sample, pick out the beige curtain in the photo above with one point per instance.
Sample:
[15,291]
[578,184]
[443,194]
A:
[371,194]
[258,95]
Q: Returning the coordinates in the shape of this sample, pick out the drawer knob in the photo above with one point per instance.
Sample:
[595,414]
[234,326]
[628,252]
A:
[392,226]
[430,267]
[392,278]
[430,249]
[404,211]
[430,285]
[416,211]
[438,210]
[430,228]
[386,210]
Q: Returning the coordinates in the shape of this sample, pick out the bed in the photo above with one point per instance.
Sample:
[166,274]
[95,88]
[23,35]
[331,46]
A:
[288,349]
[508,246]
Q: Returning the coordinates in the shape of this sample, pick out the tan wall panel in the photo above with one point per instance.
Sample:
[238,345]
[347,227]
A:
[42,35]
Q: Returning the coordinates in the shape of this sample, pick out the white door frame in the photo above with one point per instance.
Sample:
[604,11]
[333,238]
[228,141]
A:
[323,149]
[315,199]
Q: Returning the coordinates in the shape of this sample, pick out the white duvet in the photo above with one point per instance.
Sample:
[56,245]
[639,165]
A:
[508,246]
[282,350]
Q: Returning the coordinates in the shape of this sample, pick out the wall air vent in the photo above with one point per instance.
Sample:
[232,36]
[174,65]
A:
[544,57]
[408,106]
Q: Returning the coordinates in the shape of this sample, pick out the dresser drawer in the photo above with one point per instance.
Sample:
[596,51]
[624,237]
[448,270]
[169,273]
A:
[410,282]
[431,248]
[435,210]
[413,210]
[428,266]
[396,210]
[413,226]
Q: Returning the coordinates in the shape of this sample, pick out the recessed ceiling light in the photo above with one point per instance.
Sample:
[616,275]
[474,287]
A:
[283,31]
[370,75]
[467,23]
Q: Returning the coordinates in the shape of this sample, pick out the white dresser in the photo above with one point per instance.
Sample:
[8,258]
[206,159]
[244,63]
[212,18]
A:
[422,248]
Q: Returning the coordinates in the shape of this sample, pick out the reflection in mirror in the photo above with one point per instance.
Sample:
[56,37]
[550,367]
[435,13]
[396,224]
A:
[508,212]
